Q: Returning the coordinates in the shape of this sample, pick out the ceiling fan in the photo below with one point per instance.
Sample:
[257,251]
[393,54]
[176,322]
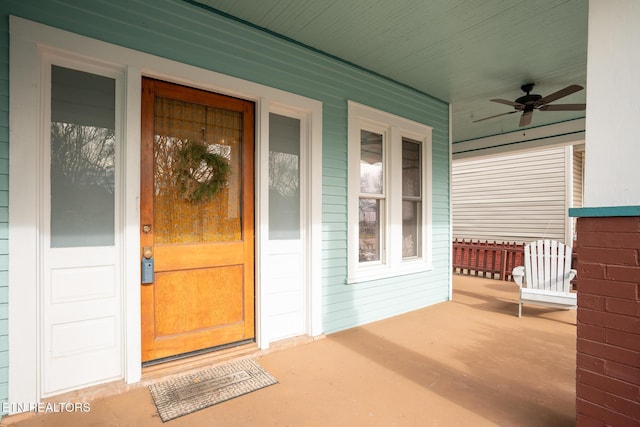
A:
[530,102]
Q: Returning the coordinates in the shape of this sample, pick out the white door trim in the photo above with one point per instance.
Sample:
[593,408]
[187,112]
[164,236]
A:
[28,39]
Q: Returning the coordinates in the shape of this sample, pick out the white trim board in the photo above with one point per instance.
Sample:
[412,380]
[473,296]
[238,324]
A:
[566,133]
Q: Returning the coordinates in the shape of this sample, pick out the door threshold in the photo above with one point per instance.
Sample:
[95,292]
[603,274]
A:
[195,353]
[169,367]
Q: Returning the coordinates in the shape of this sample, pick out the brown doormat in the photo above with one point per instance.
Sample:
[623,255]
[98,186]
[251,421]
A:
[184,395]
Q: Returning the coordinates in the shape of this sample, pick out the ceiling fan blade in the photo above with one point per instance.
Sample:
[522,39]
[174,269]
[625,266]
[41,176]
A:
[507,102]
[559,94]
[525,119]
[491,117]
[563,107]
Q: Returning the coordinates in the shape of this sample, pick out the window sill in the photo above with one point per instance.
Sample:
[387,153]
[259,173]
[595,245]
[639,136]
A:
[378,273]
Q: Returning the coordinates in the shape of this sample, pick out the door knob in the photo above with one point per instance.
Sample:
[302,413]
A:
[147,252]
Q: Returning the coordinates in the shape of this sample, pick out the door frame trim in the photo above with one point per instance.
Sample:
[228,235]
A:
[28,40]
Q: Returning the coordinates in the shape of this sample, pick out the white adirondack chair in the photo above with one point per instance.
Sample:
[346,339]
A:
[545,278]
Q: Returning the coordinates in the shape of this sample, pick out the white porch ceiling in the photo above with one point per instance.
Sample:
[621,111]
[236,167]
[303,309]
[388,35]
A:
[464,52]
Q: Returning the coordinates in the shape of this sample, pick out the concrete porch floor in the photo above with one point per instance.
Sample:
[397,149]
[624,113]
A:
[467,362]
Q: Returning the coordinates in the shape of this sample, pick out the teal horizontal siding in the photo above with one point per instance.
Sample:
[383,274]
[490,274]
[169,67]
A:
[183,32]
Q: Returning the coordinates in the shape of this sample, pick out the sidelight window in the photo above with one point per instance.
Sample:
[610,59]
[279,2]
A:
[82,158]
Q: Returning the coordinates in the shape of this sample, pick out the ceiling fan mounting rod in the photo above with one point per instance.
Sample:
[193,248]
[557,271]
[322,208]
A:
[527,87]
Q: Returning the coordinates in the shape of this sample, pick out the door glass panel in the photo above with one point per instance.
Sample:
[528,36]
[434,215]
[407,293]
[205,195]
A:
[188,138]
[82,158]
[284,177]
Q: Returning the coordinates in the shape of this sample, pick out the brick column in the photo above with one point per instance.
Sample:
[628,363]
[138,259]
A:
[608,329]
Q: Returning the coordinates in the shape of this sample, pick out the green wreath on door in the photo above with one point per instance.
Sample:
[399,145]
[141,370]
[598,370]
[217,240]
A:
[201,174]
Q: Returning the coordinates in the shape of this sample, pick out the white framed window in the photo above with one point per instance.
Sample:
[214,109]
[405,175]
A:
[389,204]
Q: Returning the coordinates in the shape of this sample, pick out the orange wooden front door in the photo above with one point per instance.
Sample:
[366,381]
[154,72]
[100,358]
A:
[201,240]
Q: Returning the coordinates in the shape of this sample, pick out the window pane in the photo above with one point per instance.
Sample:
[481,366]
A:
[82,158]
[284,177]
[411,220]
[369,229]
[410,168]
[371,166]
[411,192]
